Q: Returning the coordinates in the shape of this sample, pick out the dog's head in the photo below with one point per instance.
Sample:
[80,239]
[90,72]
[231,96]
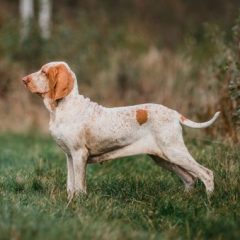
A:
[54,80]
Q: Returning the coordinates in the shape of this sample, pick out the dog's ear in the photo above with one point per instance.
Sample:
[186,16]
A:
[60,82]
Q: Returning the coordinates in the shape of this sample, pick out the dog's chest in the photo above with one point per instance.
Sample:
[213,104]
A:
[64,131]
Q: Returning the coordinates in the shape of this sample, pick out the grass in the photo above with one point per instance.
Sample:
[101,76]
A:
[128,199]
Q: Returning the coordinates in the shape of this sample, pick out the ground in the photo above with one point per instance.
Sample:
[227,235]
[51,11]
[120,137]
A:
[130,198]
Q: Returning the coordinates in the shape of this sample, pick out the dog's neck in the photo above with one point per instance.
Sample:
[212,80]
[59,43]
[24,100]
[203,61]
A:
[66,103]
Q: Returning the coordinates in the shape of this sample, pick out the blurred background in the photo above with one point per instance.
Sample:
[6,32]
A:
[180,53]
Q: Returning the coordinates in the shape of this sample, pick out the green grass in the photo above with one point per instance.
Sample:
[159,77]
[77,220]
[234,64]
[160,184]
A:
[130,198]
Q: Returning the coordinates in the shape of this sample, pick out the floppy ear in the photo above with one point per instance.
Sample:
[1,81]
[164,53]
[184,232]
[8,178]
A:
[60,82]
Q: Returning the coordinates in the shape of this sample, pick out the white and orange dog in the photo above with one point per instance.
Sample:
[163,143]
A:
[90,133]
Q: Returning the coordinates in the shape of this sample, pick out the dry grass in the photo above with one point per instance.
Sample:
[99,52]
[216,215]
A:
[119,59]
[154,76]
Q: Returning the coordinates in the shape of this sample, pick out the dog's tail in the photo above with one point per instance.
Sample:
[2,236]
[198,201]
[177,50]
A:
[189,123]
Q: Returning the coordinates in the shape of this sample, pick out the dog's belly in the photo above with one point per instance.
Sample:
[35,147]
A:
[100,140]
[101,144]
[101,150]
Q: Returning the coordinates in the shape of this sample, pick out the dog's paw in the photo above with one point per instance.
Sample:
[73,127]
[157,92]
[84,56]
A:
[210,191]
[188,188]
[70,194]
[80,192]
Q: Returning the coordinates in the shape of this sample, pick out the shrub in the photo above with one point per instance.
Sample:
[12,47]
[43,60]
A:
[227,64]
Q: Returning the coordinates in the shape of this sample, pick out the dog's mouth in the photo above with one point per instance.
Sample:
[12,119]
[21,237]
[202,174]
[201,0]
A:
[31,88]
[25,85]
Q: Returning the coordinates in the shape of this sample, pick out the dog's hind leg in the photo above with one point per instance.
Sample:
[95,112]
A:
[187,178]
[179,155]
[174,151]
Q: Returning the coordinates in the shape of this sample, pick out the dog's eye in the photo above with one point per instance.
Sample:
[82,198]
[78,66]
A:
[44,72]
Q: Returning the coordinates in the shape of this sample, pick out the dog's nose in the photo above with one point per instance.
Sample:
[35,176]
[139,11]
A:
[26,79]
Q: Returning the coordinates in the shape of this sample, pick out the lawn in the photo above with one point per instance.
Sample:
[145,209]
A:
[130,198]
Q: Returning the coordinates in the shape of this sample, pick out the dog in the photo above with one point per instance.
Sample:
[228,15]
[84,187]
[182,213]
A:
[90,133]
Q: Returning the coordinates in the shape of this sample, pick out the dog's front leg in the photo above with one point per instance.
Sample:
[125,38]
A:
[79,165]
[70,176]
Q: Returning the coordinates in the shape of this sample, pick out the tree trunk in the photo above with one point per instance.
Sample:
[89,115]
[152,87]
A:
[26,13]
[45,18]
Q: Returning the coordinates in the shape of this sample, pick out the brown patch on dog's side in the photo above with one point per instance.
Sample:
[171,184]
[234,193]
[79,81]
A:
[141,116]
[183,118]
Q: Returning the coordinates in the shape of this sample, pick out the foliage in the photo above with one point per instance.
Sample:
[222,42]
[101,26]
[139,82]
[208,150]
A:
[128,55]
[227,69]
[130,198]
